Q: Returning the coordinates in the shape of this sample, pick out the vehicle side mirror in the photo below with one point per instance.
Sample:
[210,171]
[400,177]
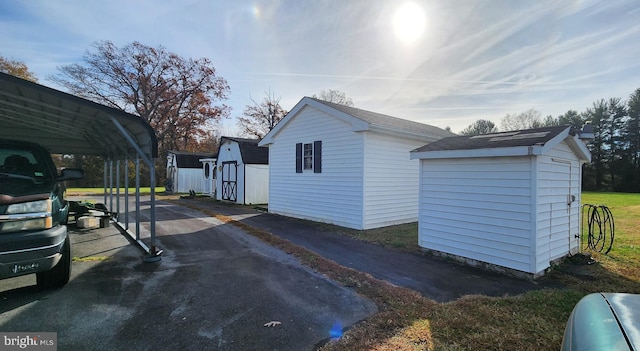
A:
[71,174]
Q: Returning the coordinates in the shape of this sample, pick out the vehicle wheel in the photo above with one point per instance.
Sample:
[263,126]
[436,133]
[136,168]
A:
[59,275]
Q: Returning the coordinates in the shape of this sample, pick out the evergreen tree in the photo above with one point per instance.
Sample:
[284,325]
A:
[594,172]
[616,116]
[631,140]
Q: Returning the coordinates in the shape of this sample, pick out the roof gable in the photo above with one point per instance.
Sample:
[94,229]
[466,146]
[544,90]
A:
[361,120]
[249,150]
[388,122]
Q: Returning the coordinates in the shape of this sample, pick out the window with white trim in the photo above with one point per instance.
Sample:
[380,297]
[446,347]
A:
[309,157]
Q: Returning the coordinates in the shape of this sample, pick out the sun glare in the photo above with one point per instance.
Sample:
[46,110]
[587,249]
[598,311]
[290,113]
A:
[255,11]
[409,22]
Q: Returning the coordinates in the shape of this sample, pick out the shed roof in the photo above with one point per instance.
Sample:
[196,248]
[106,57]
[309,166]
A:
[249,150]
[67,124]
[390,122]
[528,137]
[363,120]
[513,143]
[186,159]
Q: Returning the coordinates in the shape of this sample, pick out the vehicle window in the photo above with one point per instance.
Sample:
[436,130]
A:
[23,163]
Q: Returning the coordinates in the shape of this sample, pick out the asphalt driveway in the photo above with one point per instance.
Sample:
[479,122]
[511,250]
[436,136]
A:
[216,288]
[219,288]
[435,278]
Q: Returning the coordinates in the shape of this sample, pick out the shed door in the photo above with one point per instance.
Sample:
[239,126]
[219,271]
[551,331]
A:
[208,169]
[170,183]
[230,180]
[562,238]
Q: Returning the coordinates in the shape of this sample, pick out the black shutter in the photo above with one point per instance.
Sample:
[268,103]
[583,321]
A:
[317,157]
[299,158]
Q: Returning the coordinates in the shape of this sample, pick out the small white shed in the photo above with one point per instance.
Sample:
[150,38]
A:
[242,172]
[184,171]
[504,200]
[346,166]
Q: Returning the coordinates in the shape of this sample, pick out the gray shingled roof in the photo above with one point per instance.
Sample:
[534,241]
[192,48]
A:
[186,159]
[388,122]
[528,137]
[250,151]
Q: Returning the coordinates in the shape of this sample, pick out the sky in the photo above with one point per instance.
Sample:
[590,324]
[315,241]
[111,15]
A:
[445,63]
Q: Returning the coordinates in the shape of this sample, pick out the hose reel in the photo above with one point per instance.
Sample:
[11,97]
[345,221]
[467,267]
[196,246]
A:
[600,227]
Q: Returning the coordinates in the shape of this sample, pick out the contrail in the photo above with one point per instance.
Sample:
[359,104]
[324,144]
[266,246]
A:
[312,75]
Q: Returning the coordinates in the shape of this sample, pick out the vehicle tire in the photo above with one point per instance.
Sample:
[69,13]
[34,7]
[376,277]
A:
[59,275]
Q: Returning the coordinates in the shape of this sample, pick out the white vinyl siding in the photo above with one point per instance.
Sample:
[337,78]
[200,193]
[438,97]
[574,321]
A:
[333,196]
[479,208]
[390,181]
[184,179]
[557,223]
[256,185]
[188,179]
[511,211]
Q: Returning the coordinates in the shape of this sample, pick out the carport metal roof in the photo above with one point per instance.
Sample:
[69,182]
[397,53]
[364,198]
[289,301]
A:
[67,124]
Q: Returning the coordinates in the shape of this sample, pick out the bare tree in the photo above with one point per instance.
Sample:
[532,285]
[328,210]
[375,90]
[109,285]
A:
[176,96]
[260,118]
[335,96]
[481,126]
[525,120]
[16,68]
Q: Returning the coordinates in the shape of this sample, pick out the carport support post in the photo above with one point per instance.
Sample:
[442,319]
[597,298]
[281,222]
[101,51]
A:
[154,252]
[126,193]
[104,177]
[137,198]
[117,188]
[152,180]
[110,185]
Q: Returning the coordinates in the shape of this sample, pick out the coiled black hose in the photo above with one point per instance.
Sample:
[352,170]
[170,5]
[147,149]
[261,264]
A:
[600,227]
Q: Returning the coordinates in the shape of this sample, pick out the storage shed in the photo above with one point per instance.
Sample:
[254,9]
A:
[505,200]
[184,171]
[346,166]
[242,174]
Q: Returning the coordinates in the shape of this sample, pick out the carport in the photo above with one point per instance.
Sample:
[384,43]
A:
[67,124]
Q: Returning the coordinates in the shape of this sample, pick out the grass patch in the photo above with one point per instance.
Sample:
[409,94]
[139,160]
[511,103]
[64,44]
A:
[100,191]
[90,259]
[530,321]
[403,237]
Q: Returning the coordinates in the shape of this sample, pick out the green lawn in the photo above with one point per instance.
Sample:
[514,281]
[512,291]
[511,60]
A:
[100,191]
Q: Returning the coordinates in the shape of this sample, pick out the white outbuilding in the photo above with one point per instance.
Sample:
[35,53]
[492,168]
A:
[242,172]
[184,171]
[346,166]
[504,200]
